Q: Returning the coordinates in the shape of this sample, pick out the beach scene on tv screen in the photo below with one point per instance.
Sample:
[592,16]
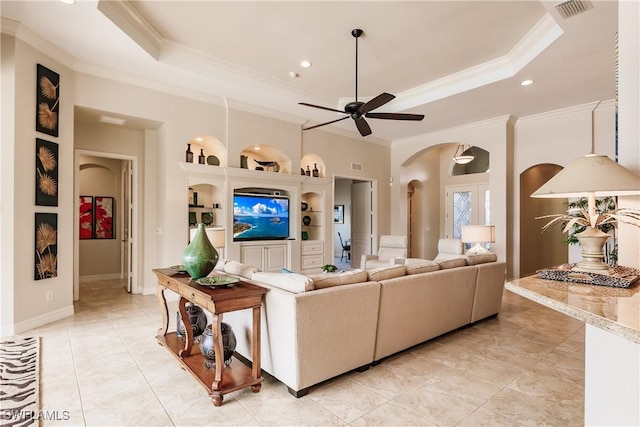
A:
[260,217]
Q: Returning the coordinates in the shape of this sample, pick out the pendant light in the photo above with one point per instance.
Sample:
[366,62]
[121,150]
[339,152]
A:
[463,156]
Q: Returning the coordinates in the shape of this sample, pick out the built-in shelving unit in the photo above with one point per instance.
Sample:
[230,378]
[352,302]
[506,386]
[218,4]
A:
[216,185]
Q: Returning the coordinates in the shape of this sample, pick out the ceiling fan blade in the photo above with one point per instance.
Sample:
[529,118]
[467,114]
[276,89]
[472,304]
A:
[327,123]
[395,116]
[376,102]
[318,106]
[363,126]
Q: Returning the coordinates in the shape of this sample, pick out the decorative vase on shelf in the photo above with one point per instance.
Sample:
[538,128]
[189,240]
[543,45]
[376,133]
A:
[189,154]
[316,172]
[197,318]
[201,157]
[199,257]
[228,345]
[308,171]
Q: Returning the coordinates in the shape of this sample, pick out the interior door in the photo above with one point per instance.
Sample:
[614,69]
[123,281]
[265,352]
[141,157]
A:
[465,204]
[127,229]
[361,221]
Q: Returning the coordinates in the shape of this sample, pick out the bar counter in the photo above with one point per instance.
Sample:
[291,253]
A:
[616,310]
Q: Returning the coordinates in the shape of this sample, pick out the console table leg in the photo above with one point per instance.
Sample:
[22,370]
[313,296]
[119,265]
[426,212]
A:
[217,400]
[216,328]
[162,301]
[188,331]
[255,346]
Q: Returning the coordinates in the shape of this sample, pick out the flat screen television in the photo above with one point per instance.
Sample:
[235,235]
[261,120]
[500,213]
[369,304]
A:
[260,217]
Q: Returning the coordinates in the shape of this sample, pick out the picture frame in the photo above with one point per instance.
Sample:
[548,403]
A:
[46,246]
[103,218]
[338,214]
[46,173]
[47,101]
[85,216]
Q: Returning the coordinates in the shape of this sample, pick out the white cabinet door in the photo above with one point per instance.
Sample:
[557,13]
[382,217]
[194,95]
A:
[251,255]
[275,257]
[270,257]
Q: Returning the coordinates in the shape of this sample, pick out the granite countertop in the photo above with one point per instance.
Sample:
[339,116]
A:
[616,310]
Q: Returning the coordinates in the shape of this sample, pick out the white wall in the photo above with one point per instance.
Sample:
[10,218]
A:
[24,303]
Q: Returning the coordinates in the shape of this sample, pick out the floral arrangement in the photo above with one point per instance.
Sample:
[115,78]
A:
[329,268]
[604,220]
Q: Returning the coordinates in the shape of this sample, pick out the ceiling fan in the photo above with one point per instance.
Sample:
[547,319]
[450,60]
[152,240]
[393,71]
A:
[358,110]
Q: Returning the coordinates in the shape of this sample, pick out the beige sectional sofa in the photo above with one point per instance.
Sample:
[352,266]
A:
[318,327]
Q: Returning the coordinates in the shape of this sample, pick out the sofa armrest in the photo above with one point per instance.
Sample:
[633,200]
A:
[487,299]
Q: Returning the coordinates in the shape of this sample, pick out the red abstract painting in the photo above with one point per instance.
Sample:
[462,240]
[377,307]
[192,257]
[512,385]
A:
[86,217]
[103,214]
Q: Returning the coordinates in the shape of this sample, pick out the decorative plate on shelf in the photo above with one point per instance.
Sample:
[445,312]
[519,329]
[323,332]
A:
[213,161]
[215,281]
[178,269]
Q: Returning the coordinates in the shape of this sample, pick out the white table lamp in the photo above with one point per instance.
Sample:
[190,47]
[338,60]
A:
[478,234]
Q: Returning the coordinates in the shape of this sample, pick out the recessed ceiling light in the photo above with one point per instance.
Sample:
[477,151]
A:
[526,82]
[305,64]
[293,74]
[199,139]
[112,120]
[257,147]
[68,1]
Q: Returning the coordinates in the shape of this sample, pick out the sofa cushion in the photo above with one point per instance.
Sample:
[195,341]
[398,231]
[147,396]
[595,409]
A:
[452,263]
[328,280]
[417,266]
[480,258]
[388,272]
[292,282]
[239,269]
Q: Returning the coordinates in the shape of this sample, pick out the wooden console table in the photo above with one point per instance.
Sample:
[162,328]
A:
[240,296]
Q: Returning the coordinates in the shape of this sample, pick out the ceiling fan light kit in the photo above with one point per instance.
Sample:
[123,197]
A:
[358,110]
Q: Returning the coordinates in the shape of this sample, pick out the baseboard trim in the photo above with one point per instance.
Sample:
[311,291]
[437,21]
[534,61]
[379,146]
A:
[96,277]
[38,321]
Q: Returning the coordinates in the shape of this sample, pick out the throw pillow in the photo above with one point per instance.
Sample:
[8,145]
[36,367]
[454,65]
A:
[452,263]
[328,280]
[239,269]
[480,258]
[292,282]
[384,273]
[422,266]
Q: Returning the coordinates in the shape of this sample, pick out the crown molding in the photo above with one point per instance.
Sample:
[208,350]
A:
[452,132]
[23,33]
[541,36]
[133,24]
[563,112]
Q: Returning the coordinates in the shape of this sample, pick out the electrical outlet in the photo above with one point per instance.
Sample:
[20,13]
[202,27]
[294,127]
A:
[50,296]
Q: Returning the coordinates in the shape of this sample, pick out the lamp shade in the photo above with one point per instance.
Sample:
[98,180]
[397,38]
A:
[216,236]
[593,174]
[478,234]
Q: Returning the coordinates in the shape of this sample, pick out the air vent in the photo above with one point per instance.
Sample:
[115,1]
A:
[356,166]
[570,8]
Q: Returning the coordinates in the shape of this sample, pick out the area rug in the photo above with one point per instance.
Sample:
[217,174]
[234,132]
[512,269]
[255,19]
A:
[19,381]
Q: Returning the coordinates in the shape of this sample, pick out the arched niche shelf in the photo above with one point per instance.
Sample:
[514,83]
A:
[480,163]
[213,150]
[267,157]
[310,161]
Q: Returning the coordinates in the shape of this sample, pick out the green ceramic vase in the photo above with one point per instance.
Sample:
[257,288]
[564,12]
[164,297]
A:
[199,257]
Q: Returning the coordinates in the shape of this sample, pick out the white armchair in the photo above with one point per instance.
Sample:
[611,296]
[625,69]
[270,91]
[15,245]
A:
[392,250]
[449,249]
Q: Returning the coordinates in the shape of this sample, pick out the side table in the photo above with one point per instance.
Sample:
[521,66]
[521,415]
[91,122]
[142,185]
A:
[219,300]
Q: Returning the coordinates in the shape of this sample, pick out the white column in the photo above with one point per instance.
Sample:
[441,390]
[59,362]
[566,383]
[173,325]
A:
[612,379]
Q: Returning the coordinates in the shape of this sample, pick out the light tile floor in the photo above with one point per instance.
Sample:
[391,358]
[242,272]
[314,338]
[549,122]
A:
[103,367]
